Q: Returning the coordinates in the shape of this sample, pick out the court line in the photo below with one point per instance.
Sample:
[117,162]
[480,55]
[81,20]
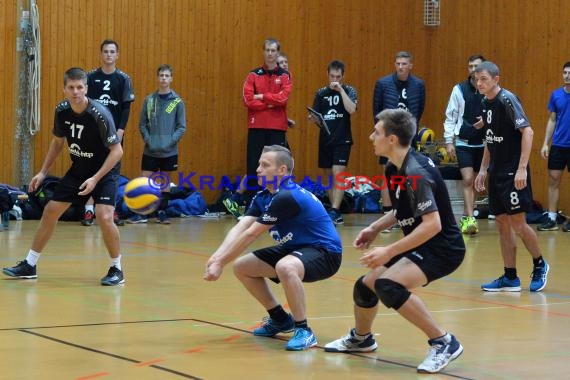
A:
[162,248]
[477,300]
[137,362]
[115,356]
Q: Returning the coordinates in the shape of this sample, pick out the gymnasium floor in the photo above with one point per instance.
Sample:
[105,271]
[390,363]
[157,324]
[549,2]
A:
[167,323]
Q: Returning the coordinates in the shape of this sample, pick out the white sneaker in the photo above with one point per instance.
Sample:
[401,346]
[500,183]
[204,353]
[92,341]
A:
[349,343]
[440,355]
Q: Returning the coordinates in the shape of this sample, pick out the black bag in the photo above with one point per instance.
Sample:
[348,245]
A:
[7,201]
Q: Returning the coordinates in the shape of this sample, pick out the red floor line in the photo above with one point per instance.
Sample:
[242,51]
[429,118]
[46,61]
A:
[94,376]
[149,362]
[477,300]
[494,303]
[232,338]
[125,242]
[194,350]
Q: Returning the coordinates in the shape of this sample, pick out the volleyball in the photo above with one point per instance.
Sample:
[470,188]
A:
[142,195]
[426,136]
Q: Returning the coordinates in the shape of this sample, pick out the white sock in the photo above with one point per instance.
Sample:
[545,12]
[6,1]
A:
[116,262]
[445,338]
[89,208]
[552,215]
[360,337]
[33,257]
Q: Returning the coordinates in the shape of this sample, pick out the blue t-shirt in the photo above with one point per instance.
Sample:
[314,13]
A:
[297,217]
[560,103]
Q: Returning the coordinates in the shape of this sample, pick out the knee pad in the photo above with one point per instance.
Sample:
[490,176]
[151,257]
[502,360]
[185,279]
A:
[363,296]
[392,294]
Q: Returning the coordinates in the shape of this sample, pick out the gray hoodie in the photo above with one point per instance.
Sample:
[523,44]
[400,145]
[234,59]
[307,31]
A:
[162,124]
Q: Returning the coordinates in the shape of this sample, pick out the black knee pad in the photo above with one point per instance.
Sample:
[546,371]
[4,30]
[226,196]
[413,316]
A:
[392,294]
[363,296]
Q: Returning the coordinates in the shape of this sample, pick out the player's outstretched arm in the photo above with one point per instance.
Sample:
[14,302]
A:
[237,240]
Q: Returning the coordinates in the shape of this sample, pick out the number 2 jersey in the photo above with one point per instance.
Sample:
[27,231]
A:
[418,189]
[88,136]
[111,90]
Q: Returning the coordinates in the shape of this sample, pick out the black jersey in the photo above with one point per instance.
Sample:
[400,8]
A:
[111,90]
[417,189]
[88,136]
[329,103]
[503,117]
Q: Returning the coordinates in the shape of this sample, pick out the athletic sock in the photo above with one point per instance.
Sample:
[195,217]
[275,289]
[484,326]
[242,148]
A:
[539,262]
[165,197]
[361,337]
[33,257]
[301,324]
[511,273]
[278,314]
[116,262]
[89,208]
[443,339]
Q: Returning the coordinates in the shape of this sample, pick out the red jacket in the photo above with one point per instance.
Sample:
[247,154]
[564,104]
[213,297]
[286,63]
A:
[275,85]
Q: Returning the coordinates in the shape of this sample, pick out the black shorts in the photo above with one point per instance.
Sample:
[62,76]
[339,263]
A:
[504,198]
[319,263]
[435,263]
[558,158]
[333,155]
[469,157]
[257,139]
[155,164]
[104,193]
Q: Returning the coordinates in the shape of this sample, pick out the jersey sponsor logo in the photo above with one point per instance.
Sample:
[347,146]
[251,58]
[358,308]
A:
[403,106]
[490,137]
[519,121]
[415,253]
[107,101]
[406,222]
[278,80]
[332,114]
[280,240]
[268,218]
[424,205]
[75,150]
[112,139]
[172,105]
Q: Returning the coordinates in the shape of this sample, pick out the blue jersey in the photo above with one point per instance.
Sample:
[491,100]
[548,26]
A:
[560,103]
[297,217]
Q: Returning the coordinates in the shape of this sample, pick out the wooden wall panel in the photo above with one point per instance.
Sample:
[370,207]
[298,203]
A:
[8,85]
[212,44]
